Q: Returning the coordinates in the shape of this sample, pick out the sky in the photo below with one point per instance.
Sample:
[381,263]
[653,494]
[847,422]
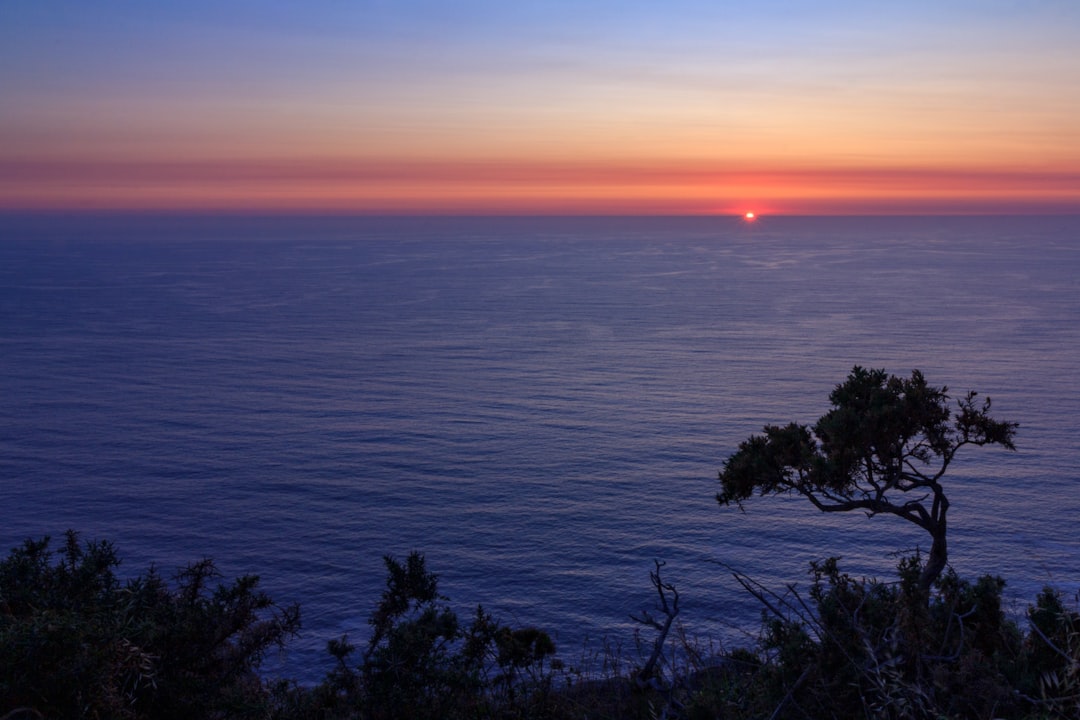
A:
[541,107]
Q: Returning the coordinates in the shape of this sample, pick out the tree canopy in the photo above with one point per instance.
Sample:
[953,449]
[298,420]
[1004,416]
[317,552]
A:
[883,448]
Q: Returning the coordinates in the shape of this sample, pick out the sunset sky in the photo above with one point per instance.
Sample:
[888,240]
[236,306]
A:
[584,106]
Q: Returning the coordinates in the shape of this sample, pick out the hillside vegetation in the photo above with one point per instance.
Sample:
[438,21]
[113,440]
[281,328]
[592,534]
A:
[77,642]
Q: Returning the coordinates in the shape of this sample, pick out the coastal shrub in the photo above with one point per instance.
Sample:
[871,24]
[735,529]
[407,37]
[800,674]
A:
[1052,672]
[422,662]
[76,642]
[862,648]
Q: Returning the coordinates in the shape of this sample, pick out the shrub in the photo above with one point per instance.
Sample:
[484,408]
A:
[1052,677]
[864,648]
[421,662]
[75,642]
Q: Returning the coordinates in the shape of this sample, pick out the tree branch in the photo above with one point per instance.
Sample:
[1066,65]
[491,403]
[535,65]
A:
[884,435]
[670,611]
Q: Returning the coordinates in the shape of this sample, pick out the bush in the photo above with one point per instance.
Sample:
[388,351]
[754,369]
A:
[858,648]
[75,642]
[421,662]
[1052,677]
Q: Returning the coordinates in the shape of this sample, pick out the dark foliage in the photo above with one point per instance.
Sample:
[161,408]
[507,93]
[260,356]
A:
[859,648]
[75,642]
[1052,677]
[883,448]
[421,662]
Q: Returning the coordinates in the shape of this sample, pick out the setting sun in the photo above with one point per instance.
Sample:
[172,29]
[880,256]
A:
[749,216]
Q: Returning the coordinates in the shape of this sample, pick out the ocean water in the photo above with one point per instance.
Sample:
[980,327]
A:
[539,405]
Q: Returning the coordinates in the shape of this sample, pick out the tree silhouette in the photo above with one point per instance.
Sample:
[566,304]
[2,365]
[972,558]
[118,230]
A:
[883,448]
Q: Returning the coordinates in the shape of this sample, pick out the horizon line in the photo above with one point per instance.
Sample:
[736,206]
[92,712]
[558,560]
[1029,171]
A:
[343,213]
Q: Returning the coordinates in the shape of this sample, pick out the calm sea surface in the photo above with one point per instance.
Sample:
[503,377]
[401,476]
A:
[540,406]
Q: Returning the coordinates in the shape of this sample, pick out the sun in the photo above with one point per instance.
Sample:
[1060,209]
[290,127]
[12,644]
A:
[750,216]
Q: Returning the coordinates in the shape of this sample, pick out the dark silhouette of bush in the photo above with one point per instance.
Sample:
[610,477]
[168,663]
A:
[76,642]
[421,662]
[1051,676]
[862,648]
[884,647]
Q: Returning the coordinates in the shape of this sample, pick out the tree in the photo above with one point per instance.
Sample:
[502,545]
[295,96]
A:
[883,448]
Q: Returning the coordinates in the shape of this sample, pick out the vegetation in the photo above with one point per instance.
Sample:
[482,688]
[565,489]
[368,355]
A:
[75,642]
[883,448]
[420,662]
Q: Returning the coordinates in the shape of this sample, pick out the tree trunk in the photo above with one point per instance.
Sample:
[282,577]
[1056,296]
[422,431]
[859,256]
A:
[935,563]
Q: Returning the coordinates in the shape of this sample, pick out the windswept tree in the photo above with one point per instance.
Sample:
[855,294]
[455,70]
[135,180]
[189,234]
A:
[883,448]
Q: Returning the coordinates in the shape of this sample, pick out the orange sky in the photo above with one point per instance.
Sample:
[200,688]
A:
[541,108]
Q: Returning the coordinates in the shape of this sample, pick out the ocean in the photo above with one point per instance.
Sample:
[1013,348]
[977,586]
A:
[539,405]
